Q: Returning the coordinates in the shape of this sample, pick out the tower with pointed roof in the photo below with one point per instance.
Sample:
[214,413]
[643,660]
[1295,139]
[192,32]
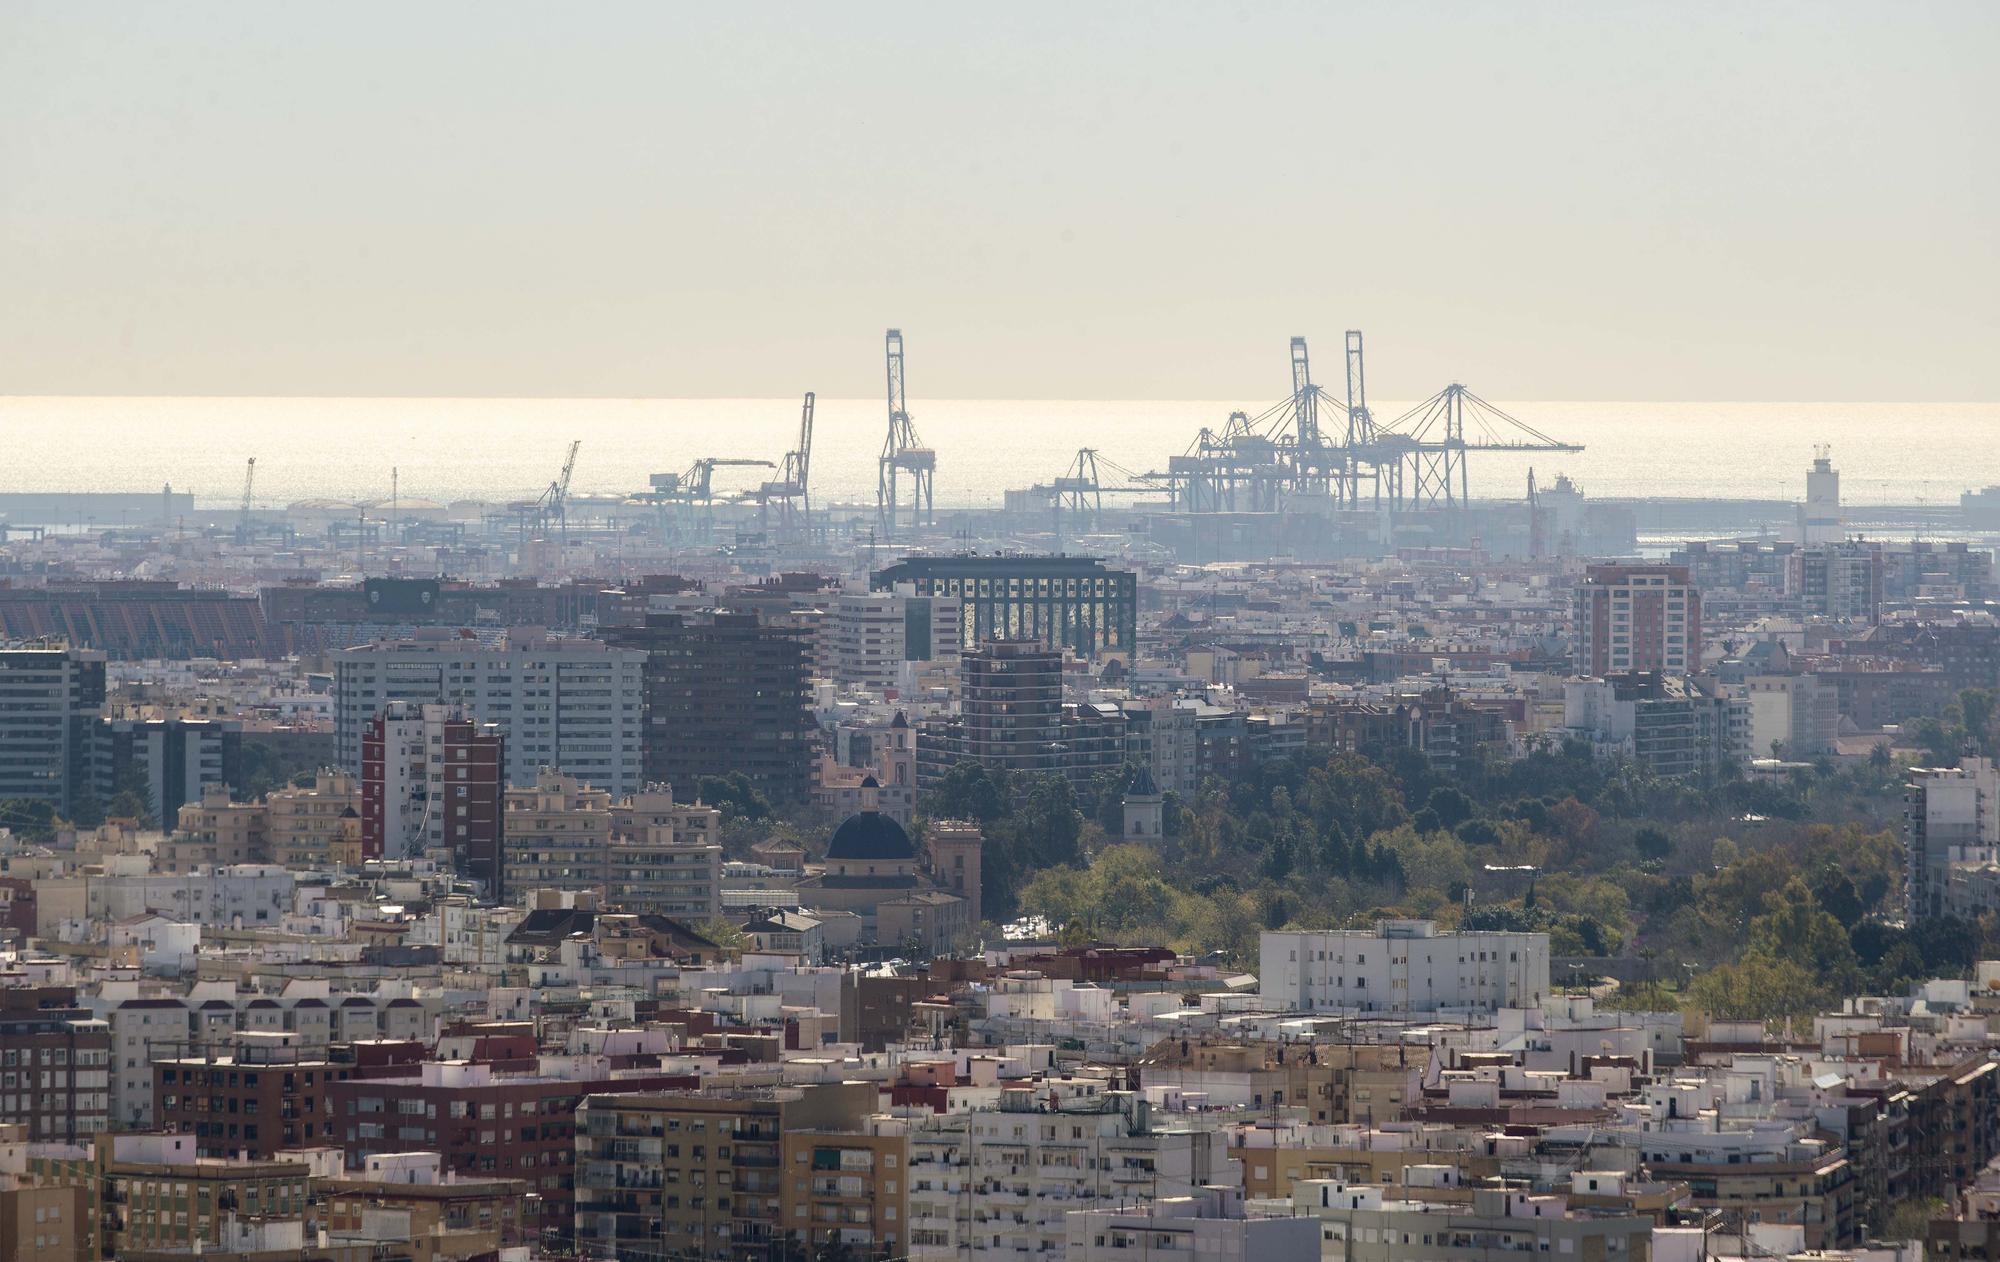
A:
[1145,808]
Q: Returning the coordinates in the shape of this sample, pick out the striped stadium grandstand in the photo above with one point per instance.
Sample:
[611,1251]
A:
[142,620]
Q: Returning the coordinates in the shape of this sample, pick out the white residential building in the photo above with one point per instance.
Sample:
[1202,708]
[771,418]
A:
[1208,1225]
[871,636]
[1950,817]
[573,705]
[1404,966]
[996,1184]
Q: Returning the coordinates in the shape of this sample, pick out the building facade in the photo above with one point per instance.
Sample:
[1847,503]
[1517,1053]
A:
[1063,602]
[55,1064]
[168,761]
[869,636]
[725,693]
[50,703]
[740,1173]
[1637,618]
[434,779]
[570,704]
[1403,966]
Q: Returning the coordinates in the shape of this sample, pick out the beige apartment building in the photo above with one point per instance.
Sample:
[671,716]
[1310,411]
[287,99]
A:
[647,853]
[736,1172]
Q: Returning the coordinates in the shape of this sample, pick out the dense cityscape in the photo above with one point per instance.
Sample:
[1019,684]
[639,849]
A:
[749,877]
[890,632]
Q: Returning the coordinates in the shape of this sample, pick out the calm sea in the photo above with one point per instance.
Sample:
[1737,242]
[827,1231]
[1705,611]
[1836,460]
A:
[499,449]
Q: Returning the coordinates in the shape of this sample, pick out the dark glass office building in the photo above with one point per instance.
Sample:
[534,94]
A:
[1077,603]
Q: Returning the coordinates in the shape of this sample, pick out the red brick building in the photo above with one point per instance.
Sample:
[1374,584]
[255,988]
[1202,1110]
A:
[1634,619]
[484,1124]
[55,1064]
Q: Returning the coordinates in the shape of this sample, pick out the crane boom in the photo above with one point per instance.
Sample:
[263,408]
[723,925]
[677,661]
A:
[243,515]
[805,450]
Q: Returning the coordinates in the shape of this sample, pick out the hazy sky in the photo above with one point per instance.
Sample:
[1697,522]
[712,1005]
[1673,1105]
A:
[1584,200]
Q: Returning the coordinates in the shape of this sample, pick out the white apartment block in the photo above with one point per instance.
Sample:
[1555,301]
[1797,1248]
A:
[870,637]
[997,1184]
[1952,816]
[573,705]
[151,1021]
[1403,966]
[1210,1226]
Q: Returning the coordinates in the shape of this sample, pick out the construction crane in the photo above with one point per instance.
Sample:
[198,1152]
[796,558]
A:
[902,453]
[789,492]
[243,517]
[687,500]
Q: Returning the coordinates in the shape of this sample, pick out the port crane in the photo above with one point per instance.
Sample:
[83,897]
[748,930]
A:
[784,505]
[902,452]
[1080,489]
[554,503]
[243,515]
[687,500]
[1416,461]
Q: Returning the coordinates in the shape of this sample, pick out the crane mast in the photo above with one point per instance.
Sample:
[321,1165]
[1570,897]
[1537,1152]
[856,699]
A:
[902,452]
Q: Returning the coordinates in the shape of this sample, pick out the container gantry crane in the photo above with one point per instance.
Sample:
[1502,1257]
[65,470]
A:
[784,505]
[1417,461]
[902,453]
[687,500]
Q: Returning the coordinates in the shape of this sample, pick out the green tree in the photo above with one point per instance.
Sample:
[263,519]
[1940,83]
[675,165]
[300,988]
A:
[968,791]
[1758,988]
[734,795]
[30,819]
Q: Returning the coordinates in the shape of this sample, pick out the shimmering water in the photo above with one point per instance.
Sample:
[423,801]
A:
[499,449]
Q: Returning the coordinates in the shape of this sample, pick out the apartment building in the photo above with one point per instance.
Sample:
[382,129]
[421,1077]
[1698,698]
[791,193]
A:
[148,1023]
[1403,966]
[570,704]
[647,853]
[483,1121]
[1368,1223]
[316,827]
[169,761]
[1062,602]
[1209,1224]
[1328,1085]
[1633,618]
[1666,724]
[40,1219]
[266,1095]
[212,831]
[868,637]
[50,703]
[432,779]
[996,1183]
[741,1172]
[1951,815]
[725,693]
[54,1064]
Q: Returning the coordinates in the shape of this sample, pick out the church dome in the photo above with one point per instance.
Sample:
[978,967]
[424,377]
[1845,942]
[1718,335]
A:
[870,836]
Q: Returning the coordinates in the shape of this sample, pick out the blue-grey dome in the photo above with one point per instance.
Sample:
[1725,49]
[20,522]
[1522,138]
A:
[870,836]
